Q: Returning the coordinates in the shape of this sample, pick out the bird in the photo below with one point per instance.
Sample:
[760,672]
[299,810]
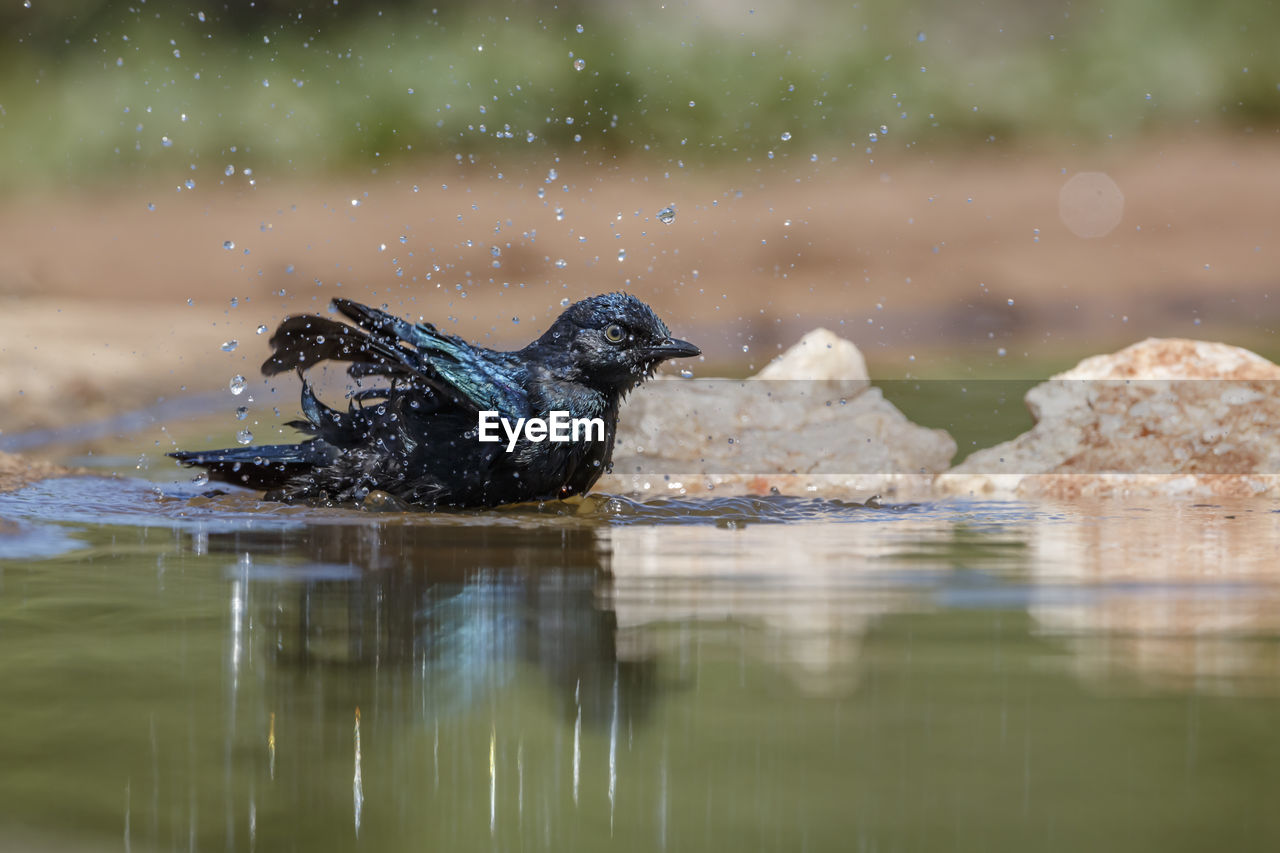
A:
[416,436]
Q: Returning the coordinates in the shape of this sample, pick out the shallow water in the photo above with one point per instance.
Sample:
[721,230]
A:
[182,672]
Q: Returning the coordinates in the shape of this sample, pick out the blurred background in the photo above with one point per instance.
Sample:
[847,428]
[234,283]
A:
[983,192]
[964,190]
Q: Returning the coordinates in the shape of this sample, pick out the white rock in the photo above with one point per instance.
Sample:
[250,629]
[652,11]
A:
[1141,422]
[820,354]
[808,424]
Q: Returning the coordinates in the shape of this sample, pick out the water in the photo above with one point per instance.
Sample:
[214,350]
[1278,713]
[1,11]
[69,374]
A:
[776,673]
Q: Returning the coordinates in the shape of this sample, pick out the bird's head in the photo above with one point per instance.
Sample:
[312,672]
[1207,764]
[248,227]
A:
[612,342]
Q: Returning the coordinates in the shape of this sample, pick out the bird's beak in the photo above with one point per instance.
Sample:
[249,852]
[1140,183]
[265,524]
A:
[673,348]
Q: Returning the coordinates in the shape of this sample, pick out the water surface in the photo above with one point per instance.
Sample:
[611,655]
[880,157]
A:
[183,672]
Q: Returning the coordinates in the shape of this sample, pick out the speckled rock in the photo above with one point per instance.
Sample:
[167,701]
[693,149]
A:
[1142,421]
[808,424]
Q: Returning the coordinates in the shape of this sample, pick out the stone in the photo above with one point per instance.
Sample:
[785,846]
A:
[820,355]
[1162,417]
[808,424]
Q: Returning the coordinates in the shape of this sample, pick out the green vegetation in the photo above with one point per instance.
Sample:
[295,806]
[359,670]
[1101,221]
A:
[163,90]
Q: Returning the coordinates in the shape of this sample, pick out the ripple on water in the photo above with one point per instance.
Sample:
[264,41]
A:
[50,509]
[112,500]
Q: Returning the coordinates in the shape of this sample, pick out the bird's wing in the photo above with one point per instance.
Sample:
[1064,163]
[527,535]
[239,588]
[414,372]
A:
[482,378]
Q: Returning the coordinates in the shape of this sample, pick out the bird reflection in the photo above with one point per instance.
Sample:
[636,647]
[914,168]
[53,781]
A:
[459,607]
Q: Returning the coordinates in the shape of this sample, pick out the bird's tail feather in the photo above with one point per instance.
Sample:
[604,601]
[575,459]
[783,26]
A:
[260,467]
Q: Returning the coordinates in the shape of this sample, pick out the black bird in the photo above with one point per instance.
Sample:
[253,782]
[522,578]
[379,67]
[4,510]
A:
[416,437]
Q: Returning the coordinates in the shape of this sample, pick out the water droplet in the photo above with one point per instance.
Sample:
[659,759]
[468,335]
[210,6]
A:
[199,16]
[496,252]
[564,303]
[579,64]
[559,214]
[151,205]
[1010,302]
[242,412]
[561,263]
[201,479]
[229,171]
[230,345]
[355,202]
[237,385]
[244,437]
[920,36]
[786,136]
[693,103]
[686,373]
[262,330]
[746,348]
[873,136]
[1002,352]
[189,183]
[166,142]
[552,174]
[579,28]
[622,255]
[667,215]
[228,244]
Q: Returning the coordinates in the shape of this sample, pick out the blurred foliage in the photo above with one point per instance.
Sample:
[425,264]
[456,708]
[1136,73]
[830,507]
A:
[91,89]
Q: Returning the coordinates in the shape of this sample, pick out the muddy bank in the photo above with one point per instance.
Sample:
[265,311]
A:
[17,471]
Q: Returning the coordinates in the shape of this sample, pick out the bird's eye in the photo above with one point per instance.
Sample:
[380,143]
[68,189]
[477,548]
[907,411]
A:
[614,334]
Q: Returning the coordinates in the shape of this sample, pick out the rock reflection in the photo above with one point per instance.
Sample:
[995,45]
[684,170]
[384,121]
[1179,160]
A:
[1184,596]
[803,609]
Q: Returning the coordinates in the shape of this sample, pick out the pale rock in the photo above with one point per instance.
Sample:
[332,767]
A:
[808,424]
[820,355]
[1141,421]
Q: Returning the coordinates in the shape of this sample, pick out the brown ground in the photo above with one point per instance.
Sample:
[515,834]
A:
[94,286]
[17,471]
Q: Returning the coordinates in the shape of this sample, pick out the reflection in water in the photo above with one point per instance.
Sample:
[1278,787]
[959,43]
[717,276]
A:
[457,605]
[424,628]
[357,789]
[1186,596]
[230,676]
